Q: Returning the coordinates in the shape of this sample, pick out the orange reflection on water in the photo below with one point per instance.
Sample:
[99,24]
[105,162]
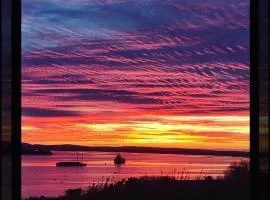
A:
[41,177]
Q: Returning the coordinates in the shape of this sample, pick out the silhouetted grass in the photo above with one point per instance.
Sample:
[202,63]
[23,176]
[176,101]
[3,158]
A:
[176,186]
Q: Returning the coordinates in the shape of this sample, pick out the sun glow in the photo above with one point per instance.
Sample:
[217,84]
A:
[111,80]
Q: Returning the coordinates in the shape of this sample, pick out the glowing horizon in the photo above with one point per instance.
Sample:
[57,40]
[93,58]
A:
[151,73]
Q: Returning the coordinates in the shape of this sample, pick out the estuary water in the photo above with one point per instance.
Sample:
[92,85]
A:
[40,176]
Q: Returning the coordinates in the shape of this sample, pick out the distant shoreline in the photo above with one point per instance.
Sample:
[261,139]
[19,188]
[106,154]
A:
[156,150]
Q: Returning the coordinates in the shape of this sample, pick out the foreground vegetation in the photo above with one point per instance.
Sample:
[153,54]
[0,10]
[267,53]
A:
[234,185]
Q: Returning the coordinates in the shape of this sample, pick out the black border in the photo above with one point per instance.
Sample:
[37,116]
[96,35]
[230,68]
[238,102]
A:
[254,98]
[16,99]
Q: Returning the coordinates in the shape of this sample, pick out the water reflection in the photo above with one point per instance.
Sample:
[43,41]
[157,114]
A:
[41,177]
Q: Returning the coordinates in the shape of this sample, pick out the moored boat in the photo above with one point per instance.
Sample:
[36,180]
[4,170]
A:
[118,160]
[71,163]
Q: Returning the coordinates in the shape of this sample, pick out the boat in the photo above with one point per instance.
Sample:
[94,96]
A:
[118,160]
[71,163]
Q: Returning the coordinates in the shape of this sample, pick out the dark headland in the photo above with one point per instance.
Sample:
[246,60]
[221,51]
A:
[26,149]
[132,149]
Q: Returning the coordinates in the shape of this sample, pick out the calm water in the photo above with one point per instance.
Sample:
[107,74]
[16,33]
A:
[41,177]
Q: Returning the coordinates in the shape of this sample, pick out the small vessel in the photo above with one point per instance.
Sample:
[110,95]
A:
[71,163]
[118,160]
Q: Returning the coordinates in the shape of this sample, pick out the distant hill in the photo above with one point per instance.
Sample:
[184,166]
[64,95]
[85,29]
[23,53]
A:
[38,149]
[133,149]
[26,149]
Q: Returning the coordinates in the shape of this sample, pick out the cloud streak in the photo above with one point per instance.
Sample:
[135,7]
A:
[125,58]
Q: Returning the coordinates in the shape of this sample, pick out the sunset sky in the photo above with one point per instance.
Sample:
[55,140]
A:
[159,73]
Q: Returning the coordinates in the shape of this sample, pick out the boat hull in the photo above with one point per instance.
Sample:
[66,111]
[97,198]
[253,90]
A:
[119,161]
[70,164]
